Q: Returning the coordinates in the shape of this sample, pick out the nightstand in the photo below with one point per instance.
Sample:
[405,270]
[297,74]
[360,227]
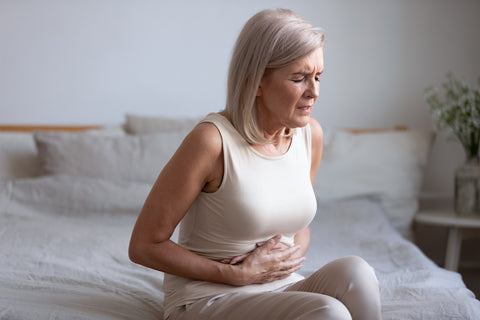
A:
[459,227]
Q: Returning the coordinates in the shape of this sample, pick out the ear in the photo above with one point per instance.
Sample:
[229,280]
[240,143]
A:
[259,91]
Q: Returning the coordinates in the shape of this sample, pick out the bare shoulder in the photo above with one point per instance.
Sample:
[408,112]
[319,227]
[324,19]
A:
[317,131]
[200,157]
[204,138]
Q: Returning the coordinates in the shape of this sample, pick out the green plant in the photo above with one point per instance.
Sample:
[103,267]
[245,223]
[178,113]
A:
[457,112]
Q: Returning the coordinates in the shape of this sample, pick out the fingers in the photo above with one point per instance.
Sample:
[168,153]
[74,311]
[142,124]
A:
[284,252]
[259,244]
[293,264]
[269,261]
[273,243]
[277,264]
[276,251]
[278,245]
[270,243]
[286,271]
[236,259]
[239,258]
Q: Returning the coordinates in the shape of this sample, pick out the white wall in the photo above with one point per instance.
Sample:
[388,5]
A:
[91,61]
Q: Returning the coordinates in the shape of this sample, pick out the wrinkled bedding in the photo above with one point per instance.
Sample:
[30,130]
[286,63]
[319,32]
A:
[64,240]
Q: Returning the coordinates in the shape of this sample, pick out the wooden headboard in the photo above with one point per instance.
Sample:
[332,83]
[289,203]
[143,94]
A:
[31,128]
[75,128]
[375,130]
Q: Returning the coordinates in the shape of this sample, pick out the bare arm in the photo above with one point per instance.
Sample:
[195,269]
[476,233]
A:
[317,147]
[302,237]
[176,188]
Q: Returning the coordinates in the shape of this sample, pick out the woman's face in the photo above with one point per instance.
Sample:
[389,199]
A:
[286,95]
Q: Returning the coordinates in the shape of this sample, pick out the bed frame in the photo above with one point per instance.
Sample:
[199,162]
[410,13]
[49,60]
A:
[76,128]
[31,128]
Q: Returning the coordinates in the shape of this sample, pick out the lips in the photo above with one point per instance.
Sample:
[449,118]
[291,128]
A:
[305,108]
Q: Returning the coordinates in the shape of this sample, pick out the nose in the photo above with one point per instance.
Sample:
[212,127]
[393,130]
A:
[312,89]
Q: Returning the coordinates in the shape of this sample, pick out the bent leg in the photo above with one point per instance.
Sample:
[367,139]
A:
[266,305]
[350,280]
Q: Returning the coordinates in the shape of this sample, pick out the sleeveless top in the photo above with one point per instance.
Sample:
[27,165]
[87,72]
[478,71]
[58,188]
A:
[259,197]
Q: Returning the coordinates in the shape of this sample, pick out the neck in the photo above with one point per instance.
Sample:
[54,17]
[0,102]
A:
[272,130]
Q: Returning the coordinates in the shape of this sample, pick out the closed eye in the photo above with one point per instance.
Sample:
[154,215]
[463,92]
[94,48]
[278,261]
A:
[317,79]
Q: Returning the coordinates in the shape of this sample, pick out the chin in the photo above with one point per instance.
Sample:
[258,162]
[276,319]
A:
[302,121]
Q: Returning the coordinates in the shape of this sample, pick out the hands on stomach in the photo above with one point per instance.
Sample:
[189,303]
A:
[271,260]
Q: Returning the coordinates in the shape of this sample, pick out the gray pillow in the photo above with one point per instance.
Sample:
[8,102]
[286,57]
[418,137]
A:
[18,156]
[135,124]
[128,158]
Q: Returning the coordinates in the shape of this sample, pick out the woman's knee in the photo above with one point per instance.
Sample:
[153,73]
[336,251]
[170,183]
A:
[355,268]
[338,276]
[362,295]
[321,307]
[352,281]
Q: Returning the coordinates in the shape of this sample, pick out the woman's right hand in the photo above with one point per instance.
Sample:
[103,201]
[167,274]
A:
[269,262]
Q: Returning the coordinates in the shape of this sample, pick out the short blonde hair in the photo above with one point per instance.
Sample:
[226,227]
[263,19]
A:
[271,39]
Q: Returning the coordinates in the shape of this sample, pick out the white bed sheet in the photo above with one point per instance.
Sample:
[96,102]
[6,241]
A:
[64,240]
[412,286]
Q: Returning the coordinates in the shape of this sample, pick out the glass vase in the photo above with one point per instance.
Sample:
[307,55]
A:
[467,187]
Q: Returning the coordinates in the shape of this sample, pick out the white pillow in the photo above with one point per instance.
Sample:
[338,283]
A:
[129,158]
[135,124]
[388,165]
[18,156]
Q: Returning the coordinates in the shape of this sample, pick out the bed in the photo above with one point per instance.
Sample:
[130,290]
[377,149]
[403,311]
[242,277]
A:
[68,202]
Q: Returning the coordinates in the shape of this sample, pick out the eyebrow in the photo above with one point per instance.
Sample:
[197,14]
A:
[305,73]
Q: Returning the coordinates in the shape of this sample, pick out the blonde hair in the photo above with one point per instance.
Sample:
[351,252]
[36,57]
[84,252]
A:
[270,39]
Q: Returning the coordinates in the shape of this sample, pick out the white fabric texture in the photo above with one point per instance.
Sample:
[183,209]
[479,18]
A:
[68,263]
[128,158]
[388,165]
[64,194]
[62,263]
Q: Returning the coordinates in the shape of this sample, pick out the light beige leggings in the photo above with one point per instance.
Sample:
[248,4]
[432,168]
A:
[346,288]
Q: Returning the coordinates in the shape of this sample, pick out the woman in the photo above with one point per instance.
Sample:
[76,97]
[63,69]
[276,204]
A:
[241,183]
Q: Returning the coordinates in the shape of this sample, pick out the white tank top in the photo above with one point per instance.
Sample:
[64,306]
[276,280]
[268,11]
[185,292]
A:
[259,197]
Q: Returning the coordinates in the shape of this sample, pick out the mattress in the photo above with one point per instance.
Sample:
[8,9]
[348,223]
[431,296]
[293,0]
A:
[64,243]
